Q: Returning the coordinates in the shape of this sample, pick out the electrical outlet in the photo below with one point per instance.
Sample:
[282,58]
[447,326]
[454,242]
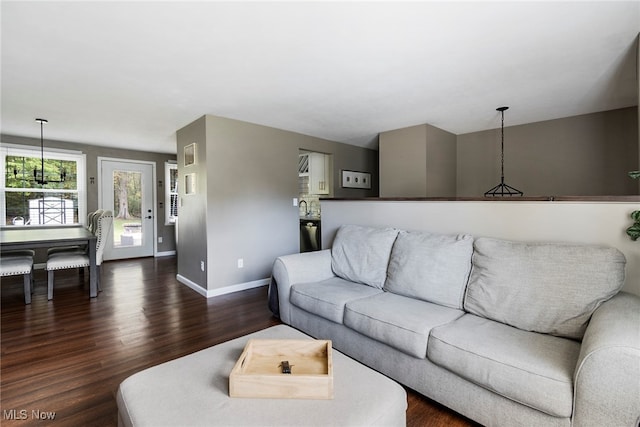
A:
[160,239]
[202,265]
[295,201]
[240,262]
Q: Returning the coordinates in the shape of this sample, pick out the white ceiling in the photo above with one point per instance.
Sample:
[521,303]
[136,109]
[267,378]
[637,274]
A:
[130,73]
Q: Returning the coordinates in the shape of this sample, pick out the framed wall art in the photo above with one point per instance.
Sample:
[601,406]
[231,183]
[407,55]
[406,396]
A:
[354,179]
[190,154]
[190,183]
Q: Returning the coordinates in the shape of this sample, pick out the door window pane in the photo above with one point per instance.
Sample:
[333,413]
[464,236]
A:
[127,197]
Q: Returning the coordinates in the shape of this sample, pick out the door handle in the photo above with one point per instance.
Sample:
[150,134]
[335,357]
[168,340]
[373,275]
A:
[148,217]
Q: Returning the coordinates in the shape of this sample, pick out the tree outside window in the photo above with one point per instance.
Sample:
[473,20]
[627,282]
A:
[127,194]
[24,201]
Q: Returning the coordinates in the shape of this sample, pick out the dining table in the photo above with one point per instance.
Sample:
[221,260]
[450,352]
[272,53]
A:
[48,237]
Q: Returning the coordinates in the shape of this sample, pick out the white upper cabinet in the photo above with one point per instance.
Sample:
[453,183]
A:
[317,167]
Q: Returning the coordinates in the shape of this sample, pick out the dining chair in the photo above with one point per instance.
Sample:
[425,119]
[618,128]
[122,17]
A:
[16,265]
[92,223]
[91,226]
[67,260]
[19,252]
[103,231]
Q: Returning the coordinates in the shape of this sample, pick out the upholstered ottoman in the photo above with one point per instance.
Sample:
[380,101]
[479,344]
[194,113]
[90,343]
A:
[194,391]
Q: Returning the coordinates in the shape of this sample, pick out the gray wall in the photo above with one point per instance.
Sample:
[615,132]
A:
[192,209]
[441,162]
[418,161]
[403,162]
[92,153]
[587,155]
[247,212]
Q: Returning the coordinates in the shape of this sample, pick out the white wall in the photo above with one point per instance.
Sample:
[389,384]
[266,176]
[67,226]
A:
[582,222]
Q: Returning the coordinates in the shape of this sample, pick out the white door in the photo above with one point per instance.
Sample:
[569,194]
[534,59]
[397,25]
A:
[126,189]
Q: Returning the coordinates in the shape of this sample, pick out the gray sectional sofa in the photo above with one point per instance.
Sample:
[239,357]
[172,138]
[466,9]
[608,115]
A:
[506,333]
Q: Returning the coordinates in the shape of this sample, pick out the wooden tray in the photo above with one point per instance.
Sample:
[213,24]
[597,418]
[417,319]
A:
[258,371]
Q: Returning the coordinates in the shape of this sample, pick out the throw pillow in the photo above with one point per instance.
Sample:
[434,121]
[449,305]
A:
[361,254]
[430,267]
[551,288]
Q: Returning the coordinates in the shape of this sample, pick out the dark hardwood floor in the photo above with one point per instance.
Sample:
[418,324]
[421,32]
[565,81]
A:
[65,358]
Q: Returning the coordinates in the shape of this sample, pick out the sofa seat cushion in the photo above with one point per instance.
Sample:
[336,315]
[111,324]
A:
[327,298]
[400,322]
[431,267]
[551,288]
[527,367]
[361,254]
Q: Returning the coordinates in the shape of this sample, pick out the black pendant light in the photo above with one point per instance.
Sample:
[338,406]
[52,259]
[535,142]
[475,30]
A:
[502,189]
[39,176]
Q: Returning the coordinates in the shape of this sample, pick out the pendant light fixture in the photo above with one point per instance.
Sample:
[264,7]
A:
[502,189]
[39,175]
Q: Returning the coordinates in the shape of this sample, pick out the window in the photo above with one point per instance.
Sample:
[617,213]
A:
[61,200]
[171,192]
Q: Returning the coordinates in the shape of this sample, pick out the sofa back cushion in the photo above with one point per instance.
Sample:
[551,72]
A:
[549,288]
[430,267]
[361,254]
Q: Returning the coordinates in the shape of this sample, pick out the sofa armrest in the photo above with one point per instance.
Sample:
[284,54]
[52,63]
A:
[607,385]
[299,268]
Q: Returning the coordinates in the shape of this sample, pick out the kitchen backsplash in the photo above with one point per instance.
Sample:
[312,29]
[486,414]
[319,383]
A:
[303,185]
[313,200]
[313,204]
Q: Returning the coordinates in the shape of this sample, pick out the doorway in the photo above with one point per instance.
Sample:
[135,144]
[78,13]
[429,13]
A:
[126,189]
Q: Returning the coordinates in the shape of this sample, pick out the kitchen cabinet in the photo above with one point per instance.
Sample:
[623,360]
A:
[317,167]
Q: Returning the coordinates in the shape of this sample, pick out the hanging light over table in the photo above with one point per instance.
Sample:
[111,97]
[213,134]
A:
[502,189]
[39,176]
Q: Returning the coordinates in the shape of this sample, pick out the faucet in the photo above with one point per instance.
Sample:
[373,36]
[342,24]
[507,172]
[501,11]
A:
[306,208]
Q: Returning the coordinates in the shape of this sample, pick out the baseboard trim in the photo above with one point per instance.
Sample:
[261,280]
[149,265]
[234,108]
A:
[236,288]
[199,289]
[165,253]
[221,291]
